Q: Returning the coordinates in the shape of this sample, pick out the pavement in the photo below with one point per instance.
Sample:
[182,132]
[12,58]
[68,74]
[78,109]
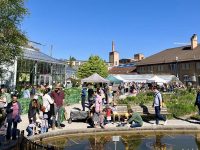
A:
[172,123]
[80,127]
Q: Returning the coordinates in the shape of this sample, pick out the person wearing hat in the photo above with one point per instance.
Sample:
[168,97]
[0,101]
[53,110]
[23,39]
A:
[58,96]
[34,108]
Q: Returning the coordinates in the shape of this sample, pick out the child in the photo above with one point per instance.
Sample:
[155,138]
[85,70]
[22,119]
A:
[108,112]
[31,127]
[44,124]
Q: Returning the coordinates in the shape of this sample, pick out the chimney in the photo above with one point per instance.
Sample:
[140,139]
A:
[194,42]
[113,46]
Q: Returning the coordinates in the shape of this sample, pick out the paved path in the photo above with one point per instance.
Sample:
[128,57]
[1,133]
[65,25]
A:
[84,127]
[81,125]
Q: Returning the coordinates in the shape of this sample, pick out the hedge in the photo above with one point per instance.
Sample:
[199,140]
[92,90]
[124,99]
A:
[179,103]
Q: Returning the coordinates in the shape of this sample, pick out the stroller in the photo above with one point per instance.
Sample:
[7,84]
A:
[78,115]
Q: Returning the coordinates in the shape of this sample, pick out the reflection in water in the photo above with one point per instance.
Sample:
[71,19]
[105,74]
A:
[128,141]
[158,144]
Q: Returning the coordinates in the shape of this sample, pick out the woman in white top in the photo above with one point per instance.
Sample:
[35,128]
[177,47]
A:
[46,101]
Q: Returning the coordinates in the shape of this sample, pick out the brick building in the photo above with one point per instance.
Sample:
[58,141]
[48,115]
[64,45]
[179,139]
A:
[183,62]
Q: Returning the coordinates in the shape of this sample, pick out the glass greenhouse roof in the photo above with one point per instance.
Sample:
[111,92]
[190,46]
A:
[39,56]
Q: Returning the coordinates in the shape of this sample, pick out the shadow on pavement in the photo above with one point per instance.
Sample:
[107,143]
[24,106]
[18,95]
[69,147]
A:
[187,120]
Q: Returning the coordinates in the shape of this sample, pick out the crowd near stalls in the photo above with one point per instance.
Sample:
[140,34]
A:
[98,95]
[133,84]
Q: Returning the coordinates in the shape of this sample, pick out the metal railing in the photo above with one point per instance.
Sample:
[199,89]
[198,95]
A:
[22,143]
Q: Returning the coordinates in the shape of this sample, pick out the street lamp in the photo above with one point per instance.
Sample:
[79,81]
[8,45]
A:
[177,67]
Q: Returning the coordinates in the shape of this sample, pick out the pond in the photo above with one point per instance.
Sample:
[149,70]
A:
[127,141]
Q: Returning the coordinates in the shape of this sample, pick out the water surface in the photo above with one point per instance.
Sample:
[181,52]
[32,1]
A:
[128,141]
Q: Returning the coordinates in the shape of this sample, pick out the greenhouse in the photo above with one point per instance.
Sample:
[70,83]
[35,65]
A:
[35,68]
[39,68]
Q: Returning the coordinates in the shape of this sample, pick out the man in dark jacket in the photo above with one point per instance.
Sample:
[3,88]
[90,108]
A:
[13,117]
[197,102]
[83,96]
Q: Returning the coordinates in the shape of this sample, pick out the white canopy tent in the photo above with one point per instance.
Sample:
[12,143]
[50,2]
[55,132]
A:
[120,78]
[134,78]
[143,78]
[157,80]
[95,78]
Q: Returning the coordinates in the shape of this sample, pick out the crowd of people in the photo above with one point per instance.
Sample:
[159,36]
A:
[100,101]
[45,114]
[102,106]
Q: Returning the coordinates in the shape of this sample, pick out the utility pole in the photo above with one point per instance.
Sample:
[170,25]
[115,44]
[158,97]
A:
[51,50]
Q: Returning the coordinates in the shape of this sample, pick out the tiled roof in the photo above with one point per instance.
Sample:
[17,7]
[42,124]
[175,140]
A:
[184,53]
[122,70]
[32,54]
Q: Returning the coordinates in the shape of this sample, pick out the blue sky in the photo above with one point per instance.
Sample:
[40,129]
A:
[81,28]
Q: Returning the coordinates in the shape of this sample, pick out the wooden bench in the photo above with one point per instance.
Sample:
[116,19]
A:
[148,110]
[120,110]
[143,110]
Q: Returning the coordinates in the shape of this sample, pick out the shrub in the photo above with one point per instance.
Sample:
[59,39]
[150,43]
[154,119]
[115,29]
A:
[24,104]
[72,95]
[179,103]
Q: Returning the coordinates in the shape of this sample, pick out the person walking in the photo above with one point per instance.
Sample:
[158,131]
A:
[83,96]
[58,96]
[157,104]
[197,102]
[13,117]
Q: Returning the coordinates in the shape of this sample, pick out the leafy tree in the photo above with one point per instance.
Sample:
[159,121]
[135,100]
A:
[12,38]
[94,65]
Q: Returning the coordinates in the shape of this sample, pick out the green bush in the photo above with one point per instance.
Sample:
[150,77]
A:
[72,95]
[141,98]
[24,104]
[179,103]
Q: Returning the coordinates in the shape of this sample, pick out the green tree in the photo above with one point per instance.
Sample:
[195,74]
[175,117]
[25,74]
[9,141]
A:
[12,38]
[94,65]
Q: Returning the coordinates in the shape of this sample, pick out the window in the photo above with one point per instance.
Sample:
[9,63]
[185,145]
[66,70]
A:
[186,78]
[150,69]
[160,67]
[198,65]
[185,66]
[143,69]
[173,67]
